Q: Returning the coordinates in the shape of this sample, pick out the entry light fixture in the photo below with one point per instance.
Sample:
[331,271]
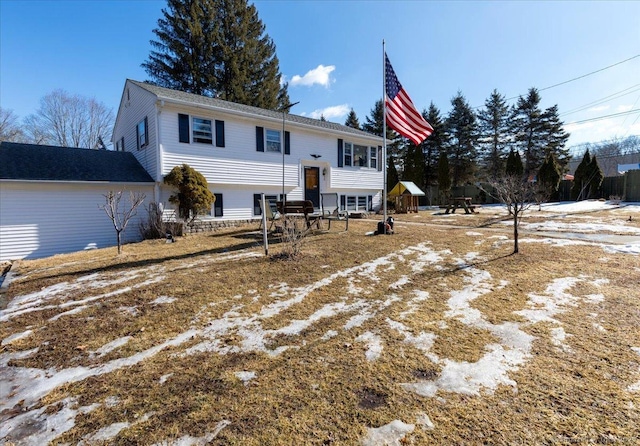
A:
[315,155]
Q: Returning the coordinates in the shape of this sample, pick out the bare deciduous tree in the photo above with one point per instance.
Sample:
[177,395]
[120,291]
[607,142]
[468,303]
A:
[120,217]
[518,195]
[69,121]
[10,130]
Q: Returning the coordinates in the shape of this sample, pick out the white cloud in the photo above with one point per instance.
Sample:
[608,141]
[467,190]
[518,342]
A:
[599,108]
[319,75]
[335,111]
[623,108]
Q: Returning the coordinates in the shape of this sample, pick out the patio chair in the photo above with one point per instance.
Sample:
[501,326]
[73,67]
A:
[270,212]
[331,209]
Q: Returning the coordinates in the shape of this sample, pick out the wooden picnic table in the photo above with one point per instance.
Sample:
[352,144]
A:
[300,208]
[460,202]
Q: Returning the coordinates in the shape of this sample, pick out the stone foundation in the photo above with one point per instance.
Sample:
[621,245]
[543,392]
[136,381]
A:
[214,225]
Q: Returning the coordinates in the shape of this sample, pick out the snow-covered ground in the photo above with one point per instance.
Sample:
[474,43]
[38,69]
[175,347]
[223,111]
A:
[23,387]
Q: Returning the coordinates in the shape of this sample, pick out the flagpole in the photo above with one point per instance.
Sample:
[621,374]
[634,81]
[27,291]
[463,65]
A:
[384,138]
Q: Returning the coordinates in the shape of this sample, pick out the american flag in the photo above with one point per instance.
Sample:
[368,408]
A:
[402,115]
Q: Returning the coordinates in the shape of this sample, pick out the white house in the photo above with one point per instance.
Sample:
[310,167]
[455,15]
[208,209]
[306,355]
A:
[49,198]
[244,151]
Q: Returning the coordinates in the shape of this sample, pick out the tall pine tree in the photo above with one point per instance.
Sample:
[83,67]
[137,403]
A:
[433,145]
[538,132]
[414,165]
[352,120]
[216,48]
[462,129]
[514,167]
[444,176]
[495,134]
[556,137]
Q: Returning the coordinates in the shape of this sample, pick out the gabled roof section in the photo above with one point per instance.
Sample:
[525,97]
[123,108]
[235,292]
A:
[51,163]
[176,96]
[406,188]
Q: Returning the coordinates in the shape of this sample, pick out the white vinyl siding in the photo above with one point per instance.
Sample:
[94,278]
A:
[43,219]
[140,103]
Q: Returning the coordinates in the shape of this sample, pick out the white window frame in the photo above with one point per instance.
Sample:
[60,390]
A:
[355,203]
[349,155]
[142,133]
[199,133]
[373,157]
[271,143]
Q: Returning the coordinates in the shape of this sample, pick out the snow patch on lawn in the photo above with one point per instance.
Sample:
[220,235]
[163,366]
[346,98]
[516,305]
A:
[389,434]
[374,345]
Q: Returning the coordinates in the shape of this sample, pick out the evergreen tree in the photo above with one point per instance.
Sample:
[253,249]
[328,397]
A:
[514,167]
[595,177]
[216,48]
[494,135]
[433,145]
[373,124]
[462,129]
[193,196]
[392,175]
[549,177]
[536,132]
[581,177]
[352,120]
[444,175]
[556,137]
[414,165]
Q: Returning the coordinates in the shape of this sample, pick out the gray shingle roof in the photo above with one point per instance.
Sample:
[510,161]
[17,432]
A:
[50,163]
[175,95]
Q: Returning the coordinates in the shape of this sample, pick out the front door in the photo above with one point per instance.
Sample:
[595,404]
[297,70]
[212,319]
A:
[312,185]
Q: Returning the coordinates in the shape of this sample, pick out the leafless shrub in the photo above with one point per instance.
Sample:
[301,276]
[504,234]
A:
[293,236]
[120,217]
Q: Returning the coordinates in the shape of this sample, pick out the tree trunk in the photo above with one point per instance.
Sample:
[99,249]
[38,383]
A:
[119,242]
[515,230]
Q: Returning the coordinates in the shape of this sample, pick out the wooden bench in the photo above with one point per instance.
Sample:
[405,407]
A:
[302,208]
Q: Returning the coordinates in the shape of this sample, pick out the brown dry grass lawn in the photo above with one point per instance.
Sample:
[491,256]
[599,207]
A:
[208,338]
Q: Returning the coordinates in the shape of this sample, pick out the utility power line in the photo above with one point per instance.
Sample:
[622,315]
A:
[574,79]
[613,115]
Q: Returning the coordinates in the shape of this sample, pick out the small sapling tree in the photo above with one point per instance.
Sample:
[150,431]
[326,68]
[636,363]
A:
[517,194]
[193,196]
[120,215]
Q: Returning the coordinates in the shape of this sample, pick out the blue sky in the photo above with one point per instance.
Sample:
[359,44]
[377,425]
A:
[331,53]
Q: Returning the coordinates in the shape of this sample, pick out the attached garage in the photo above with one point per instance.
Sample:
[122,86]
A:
[50,198]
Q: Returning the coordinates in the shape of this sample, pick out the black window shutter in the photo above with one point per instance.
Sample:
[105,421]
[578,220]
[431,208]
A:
[287,143]
[146,131]
[380,161]
[340,153]
[257,209]
[183,128]
[219,133]
[260,139]
[138,136]
[217,206]
[343,202]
